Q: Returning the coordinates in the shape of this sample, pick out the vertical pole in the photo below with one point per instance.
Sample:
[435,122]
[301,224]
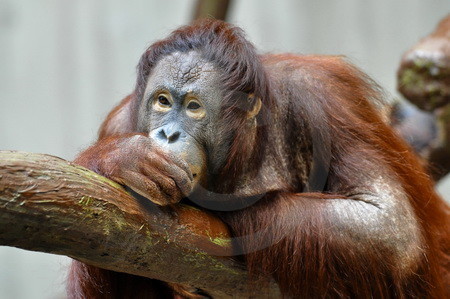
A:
[216,9]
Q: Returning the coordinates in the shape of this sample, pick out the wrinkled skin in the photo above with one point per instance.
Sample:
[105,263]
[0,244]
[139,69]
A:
[146,168]
[167,160]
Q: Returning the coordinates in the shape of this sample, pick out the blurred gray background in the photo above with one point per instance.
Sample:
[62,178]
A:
[65,63]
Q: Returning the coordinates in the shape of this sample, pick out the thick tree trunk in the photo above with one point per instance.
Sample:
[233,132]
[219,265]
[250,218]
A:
[51,205]
[424,79]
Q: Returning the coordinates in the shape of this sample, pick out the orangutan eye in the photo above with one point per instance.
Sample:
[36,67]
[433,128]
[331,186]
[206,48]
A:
[193,105]
[195,109]
[163,101]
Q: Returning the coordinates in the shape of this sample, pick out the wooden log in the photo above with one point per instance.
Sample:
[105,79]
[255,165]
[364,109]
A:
[50,205]
[424,79]
[424,73]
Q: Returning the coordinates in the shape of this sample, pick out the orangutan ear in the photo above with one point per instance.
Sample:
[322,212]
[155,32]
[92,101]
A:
[256,107]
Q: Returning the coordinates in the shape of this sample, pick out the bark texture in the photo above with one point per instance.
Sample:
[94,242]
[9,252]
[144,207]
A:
[48,204]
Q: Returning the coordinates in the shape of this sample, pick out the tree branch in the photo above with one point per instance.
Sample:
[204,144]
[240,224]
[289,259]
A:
[424,79]
[424,72]
[48,204]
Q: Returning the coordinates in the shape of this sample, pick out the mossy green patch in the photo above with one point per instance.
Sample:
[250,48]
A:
[86,200]
[411,79]
[223,242]
[423,64]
